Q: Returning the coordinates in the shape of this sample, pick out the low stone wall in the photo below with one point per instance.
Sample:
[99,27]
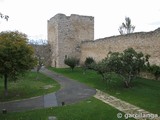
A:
[146,42]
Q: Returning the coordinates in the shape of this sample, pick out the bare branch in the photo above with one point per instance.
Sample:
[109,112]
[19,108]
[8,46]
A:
[126,27]
[42,52]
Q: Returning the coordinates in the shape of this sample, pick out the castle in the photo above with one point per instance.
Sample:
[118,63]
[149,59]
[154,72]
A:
[73,36]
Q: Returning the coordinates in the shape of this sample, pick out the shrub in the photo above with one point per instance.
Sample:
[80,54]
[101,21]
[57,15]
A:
[72,62]
[88,62]
[102,68]
[127,64]
[155,70]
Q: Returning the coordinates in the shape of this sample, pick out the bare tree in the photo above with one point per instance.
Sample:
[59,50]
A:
[42,52]
[126,27]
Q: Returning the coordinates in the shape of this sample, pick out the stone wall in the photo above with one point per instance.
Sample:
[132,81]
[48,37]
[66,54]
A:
[73,36]
[65,34]
[146,42]
[53,39]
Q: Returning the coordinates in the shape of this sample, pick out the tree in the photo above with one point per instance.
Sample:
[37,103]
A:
[42,52]
[133,63]
[126,27]
[6,17]
[102,68]
[114,61]
[155,70]
[16,55]
[127,64]
[72,62]
[109,65]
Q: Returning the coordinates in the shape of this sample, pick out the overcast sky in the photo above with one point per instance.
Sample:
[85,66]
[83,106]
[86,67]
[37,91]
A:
[30,16]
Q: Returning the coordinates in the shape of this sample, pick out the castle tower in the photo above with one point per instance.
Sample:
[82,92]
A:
[65,34]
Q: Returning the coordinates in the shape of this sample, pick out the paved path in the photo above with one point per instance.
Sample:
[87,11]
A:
[70,92]
[125,107]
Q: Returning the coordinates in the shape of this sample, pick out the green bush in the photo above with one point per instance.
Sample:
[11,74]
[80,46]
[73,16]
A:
[72,62]
[128,64]
[88,62]
[155,70]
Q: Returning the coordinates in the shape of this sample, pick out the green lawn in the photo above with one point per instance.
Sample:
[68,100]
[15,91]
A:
[91,109]
[144,93]
[28,86]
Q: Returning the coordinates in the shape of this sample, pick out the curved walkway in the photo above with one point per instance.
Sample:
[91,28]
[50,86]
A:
[71,91]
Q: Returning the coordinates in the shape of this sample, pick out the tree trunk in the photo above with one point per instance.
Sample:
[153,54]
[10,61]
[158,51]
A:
[128,81]
[37,76]
[5,85]
[72,68]
[126,84]
[102,76]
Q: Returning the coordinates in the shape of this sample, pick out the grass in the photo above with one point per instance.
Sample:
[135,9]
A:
[144,93]
[28,86]
[91,109]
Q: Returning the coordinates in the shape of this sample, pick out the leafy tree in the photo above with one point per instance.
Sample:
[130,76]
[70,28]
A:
[133,63]
[72,62]
[16,55]
[107,66]
[127,64]
[154,69]
[126,27]
[114,61]
[100,68]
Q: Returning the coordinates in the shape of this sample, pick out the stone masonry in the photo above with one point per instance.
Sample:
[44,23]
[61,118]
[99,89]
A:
[65,34]
[73,36]
[146,42]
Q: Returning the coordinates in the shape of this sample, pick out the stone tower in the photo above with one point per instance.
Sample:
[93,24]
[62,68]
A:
[65,34]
